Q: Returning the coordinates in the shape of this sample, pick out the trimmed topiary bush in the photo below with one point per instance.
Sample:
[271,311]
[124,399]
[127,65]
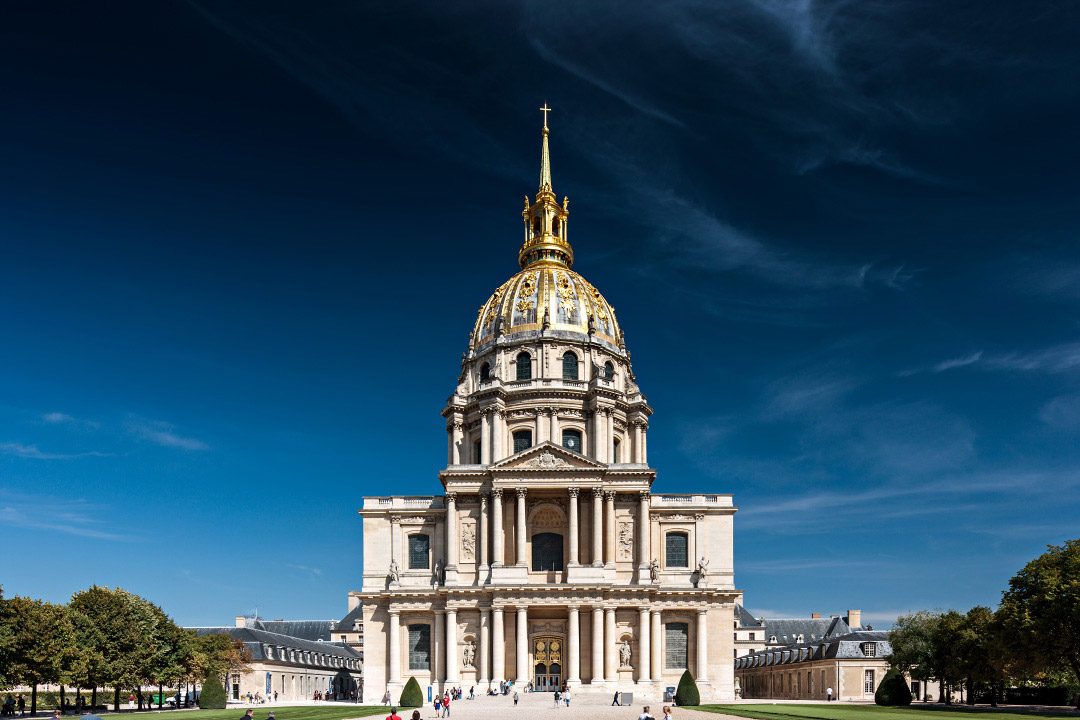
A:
[893,690]
[212,696]
[687,692]
[411,696]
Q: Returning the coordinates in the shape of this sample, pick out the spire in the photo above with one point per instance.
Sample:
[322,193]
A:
[545,219]
[545,162]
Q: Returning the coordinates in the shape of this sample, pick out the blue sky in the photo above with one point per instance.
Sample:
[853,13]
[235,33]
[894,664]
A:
[243,244]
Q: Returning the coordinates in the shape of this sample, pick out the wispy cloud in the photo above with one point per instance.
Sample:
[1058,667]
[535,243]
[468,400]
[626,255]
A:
[1062,411]
[950,364]
[1053,359]
[163,434]
[59,418]
[57,515]
[32,452]
[314,572]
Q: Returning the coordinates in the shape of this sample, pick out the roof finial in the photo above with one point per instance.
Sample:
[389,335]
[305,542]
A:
[545,163]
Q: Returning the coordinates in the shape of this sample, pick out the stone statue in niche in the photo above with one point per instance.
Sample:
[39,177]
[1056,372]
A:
[439,576]
[395,572]
[469,655]
[702,571]
[624,654]
[654,570]
[468,542]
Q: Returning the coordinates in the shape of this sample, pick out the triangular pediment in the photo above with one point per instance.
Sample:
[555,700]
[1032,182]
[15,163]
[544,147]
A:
[547,456]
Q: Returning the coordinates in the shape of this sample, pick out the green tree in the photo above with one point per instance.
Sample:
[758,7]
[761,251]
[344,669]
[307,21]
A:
[126,626]
[686,694]
[911,642]
[41,642]
[221,654]
[1041,610]
[411,696]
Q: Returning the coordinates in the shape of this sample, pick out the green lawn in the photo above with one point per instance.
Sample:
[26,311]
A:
[839,711]
[299,712]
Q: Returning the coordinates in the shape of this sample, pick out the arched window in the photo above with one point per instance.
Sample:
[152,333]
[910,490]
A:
[569,366]
[676,650]
[536,227]
[615,450]
[609,371]
[522,440]
[676,549]
[419,551]
[571,440]
[477,454]
[524,366]
[485,372]
[547,552]
[419,647]
[555,226]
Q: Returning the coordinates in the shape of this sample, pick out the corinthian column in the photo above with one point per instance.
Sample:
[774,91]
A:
[485,437]
[497,521]
[395,646]
[611,654]
[485,646]
[644,535]
[609,529]
[574,541]
[644,646]
[574,645]
[702,646]
[597,645]
[451,647]
[519,540]
[451,530]
[484,508]
[498,645]
[522,645]
[597,528]
[656,669]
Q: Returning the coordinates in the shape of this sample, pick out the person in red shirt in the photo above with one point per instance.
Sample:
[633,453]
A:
[393,714]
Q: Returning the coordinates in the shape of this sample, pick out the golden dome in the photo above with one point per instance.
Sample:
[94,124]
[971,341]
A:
[549,298]
[546,296]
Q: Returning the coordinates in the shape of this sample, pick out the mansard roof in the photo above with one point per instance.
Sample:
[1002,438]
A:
[256,639]
[350,621]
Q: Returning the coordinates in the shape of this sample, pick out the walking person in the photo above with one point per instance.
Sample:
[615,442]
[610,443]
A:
[515,698]
[393,712]
[446,705]
[615,702]
[566,697]
[645,714]
[828,694]
[667,712]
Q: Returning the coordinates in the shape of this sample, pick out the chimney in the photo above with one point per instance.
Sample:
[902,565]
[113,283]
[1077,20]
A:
[241,621]
[815,616]
[854,619]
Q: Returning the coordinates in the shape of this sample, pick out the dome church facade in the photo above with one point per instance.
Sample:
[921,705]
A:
[547,559]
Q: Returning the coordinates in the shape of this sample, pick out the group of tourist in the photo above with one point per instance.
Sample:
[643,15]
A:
[10,705]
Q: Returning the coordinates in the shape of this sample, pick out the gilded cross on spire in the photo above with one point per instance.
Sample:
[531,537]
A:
[545,163]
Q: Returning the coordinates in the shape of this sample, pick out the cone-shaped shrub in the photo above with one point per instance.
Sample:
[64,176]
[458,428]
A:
[212,696]
[687,692]
[893,690]
[411,696]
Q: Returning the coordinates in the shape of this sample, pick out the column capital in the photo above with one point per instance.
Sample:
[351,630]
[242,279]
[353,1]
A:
[598,492]
[573,491]
[483,501]
[644,494]
[394,611]
[701,611]
[497,493]
[522,492]
[439,611]
[451,496]
[609,494]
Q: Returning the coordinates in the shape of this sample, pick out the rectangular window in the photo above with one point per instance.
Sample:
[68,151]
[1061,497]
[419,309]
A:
[419,551]
[522,440]
[751,636]
[676,550]
[868,682]
[676,653]
[419,647]
[869,649]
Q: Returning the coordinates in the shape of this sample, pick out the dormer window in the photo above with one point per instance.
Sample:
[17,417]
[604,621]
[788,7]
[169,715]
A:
[772,638]
[869,649]
[609,371]
[485,372]
[569,366]
[524,366]
[800,638]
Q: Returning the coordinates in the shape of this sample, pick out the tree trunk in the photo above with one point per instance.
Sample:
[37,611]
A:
[116,698]
[63,710]
[33,700]
[159,692]
[93,697]
[1074,663]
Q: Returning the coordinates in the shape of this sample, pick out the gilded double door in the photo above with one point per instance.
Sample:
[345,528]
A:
[547,663]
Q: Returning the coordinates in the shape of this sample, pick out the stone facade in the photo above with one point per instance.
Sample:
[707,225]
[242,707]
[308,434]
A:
[548,559]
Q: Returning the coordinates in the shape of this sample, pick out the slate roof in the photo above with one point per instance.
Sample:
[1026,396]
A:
[255,639]
[348,623]
[846,646]
[745,619]
[788,630]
